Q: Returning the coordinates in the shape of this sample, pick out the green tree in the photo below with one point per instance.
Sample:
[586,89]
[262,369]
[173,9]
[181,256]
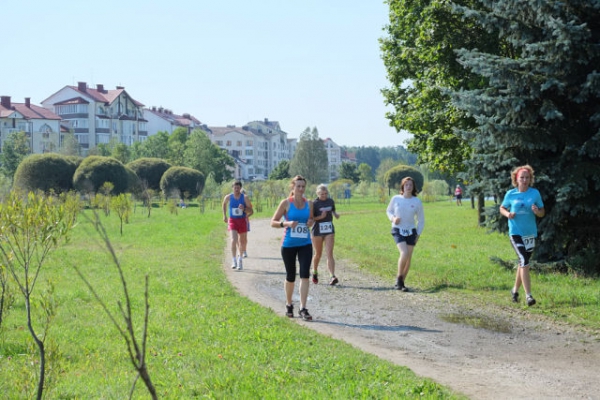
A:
[348,170]
[394,177]
[369,155]
[177,146]
[365,172]
[203,155]
[384,167]
[94,171]
[70,145]
[121,152]
[45,172]
[14,149]
[541,106]
[29,230]
[179,180]
[156,146]
[281,171]
[150,170]
[310,159]
[419,55]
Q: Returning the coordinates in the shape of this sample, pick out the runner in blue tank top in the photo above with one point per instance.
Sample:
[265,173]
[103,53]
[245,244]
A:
[295,215]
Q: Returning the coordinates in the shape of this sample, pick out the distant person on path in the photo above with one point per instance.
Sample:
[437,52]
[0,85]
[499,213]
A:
[405,211]
[239,208]
[294,214]
[521,205]
[323,231]
[458,194]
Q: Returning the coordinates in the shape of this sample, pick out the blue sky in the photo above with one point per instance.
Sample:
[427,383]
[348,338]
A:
[309,63]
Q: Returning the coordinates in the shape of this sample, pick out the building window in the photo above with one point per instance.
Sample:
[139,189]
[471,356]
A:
[239,143]
[228,144]
[249,152]
[219,143]
[249,143]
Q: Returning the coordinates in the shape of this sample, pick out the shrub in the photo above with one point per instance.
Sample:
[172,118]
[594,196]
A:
[150,171]
[178,180]
[394,176]
[94,171]
[45,172]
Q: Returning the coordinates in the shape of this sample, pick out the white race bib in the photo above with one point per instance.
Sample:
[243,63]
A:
[405,232]
[325,227]
[301,231]
[237,212]
[529,242]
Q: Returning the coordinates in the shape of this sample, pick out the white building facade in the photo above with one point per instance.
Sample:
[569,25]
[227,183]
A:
[99,115]
[41,126]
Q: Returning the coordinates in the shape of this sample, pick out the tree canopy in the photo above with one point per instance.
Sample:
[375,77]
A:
[310,159]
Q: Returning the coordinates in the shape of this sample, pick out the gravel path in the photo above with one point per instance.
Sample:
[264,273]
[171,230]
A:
[520,357]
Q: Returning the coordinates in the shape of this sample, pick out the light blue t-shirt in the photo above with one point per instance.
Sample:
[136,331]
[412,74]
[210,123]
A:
[523,224]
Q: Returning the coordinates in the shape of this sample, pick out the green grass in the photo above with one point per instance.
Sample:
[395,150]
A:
[205,341]
[454,256]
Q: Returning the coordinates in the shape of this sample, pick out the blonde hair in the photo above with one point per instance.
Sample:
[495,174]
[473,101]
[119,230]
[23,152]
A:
[515,172]
[293,183]
[320,188]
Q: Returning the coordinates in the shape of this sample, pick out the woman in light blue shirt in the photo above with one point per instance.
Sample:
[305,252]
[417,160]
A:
[521,206]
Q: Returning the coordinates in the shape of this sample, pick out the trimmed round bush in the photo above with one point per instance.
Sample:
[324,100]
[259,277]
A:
[94,171]
[179,180]
[394,176]
[150,171]
[45,172]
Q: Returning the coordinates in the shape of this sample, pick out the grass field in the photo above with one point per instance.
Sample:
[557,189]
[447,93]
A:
[205,341]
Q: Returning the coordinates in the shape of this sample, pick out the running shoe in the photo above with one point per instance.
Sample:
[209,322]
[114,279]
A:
[515,296]
[333,281]
[234,264]
[305,315]
[399,284]
[404,288]
[289,310]
[315,278]
[530,301]
[245,255]
[240,264]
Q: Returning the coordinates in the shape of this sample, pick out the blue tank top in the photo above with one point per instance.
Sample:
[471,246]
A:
[300,235]
[234,211]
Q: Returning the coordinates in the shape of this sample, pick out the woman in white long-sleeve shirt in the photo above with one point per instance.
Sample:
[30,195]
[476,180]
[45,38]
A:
[405,211]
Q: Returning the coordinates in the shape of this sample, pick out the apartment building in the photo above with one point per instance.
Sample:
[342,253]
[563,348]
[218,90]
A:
[161,119]
[334,156]
[257,147]
[41,125]
[99,115]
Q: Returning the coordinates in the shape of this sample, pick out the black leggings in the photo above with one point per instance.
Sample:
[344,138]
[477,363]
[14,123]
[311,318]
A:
[304,254]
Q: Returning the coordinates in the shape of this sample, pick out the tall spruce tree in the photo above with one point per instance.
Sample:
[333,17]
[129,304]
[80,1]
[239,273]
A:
[541,106]
[310,159]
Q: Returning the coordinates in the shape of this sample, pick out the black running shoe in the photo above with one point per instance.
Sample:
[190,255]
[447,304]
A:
[515,296]
[404,289]
[530,301]
[305,315]
[289,310]
[399,284]
[315,278]
[333,281]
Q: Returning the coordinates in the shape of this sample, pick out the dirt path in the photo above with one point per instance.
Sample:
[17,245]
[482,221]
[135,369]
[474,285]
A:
[533,359]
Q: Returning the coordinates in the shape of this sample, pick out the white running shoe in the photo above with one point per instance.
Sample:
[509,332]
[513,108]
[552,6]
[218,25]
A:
[240,264]
[234,264]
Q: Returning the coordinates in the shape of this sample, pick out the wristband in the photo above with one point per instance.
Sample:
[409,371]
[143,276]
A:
[281,224]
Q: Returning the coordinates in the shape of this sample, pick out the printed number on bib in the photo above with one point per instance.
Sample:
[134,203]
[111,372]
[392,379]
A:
[301,231]
[237,212]
[406,232]
[529,242]
[325,227]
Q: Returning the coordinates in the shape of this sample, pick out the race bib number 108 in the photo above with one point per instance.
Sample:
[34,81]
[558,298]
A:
[301,231]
